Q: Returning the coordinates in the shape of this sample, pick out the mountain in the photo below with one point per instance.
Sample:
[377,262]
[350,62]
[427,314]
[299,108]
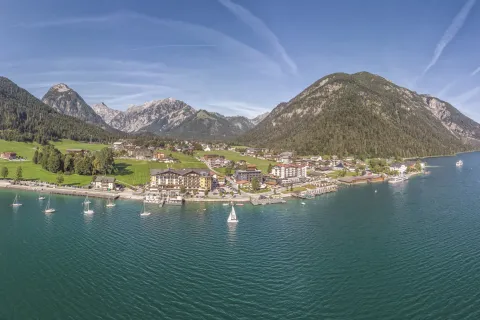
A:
[365,114]
[105,112]
[174,118]
[259,118]
[25,118]
[243,124]
[67,101]
[156,116]
[211,125]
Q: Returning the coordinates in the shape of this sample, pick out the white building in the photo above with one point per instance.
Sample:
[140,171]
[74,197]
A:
[286,171]
[400,167]
[118,145]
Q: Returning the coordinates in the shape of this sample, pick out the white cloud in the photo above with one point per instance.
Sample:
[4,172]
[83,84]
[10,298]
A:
[258,26]
[450,33]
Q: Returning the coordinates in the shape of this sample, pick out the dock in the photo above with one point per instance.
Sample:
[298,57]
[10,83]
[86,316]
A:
[262,202]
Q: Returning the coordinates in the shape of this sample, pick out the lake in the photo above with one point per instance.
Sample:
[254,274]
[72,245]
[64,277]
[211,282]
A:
[408,251]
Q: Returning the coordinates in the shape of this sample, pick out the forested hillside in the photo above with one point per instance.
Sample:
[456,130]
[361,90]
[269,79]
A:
[25,118]
[364,114]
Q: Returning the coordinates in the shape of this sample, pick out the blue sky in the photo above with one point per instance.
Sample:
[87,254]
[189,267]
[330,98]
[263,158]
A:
[239,56]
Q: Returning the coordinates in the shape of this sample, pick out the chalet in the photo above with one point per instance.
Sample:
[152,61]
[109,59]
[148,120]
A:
[159,155]
[8,155]
[141,154]
[118,145]
[173,179]
[104,183]
[75,151]
[339,166]
[249,174]
[285,157]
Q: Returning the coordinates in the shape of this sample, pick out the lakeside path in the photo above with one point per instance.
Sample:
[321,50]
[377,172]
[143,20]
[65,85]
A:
[73,192]
[125,195]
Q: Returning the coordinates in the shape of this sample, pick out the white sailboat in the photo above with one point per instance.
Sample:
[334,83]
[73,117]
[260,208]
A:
[110,203]
[232,217]
[459,163]
[15,202]
[86,208]
[47,208]
[40,197]
[144,213]
[86,201]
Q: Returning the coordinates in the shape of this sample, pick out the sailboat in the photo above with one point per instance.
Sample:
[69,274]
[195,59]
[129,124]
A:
[110,203]
[86,208]
[15,202]
[40,197]
[144,213]
[232,218]
[47,208]
[86,201]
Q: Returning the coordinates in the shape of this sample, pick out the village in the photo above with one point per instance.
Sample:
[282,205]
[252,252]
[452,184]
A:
[220,172]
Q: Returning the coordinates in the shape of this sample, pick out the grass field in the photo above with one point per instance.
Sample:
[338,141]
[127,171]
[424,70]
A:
[26,150]
[235,156]
[133,172]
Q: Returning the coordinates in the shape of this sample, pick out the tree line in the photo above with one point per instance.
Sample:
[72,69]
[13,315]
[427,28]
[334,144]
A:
[51,159]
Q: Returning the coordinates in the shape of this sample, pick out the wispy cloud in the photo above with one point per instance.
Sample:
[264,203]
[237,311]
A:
[466,96]
[176,46]
[447,88]
[258,26]
[475,71]
[450,33]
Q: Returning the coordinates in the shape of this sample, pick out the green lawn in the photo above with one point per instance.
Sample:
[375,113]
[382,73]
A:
[26,150]
[133,172]
[32,171]
[337,174]
[235,156]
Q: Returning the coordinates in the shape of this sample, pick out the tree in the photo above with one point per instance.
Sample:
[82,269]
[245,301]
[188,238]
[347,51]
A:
[255,184]
[4,172]
[183,189]
[19,173]
[55,161]
[35,157]
[269,168]
[68,164]
[60,178]
[228,171]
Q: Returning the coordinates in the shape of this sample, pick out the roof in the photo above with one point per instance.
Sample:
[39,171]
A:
[181,172]
[242,182]
[105,179]
[289,165]
[397,165]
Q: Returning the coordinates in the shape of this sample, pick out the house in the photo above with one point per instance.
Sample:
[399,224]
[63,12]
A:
[170,160]
[401,168]
[118,145]
[207,148]
[159,155]
[339,166]
[104,183]
[8,155]
[196,180]
[285,171]
[140,153]
[249,174]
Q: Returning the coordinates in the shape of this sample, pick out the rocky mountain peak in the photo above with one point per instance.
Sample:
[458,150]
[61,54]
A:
[61,87]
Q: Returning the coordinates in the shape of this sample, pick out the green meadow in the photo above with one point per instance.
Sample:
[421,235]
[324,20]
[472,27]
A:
[130,171]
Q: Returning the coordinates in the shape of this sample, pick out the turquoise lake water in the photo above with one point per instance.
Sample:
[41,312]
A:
[408,251]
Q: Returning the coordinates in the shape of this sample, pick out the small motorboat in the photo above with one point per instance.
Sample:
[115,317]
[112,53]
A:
[459,163]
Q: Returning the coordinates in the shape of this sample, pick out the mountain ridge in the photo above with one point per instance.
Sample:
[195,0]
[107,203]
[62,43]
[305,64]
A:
[366,114]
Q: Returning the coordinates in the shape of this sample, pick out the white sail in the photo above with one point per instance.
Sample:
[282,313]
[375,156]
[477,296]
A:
[233,216]
[15,202]
[47,208]
[144,213]
[110,203]
[87,209]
